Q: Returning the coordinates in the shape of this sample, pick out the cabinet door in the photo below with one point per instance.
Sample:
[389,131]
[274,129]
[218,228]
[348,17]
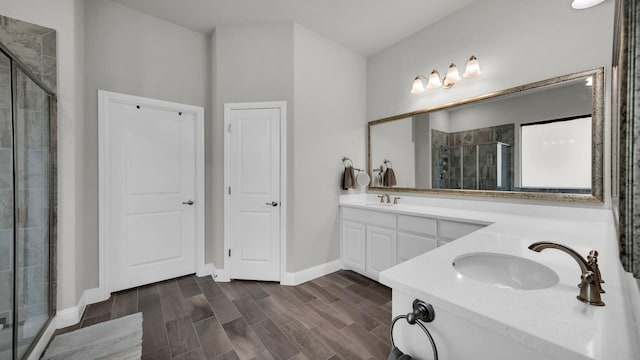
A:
[410,245]
[353,245]
[452,230]
[381,250]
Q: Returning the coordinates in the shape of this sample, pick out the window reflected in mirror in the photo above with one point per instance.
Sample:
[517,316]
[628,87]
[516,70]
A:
[556,155]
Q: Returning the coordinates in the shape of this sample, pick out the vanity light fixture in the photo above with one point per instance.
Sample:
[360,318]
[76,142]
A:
[451,78]
[584,4]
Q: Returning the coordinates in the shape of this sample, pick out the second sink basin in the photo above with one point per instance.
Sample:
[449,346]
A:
[505,271]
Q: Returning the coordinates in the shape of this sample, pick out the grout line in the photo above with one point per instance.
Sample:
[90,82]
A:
[166,333]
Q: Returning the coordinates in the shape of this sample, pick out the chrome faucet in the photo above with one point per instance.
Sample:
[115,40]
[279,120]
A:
[591,278]
[382,198]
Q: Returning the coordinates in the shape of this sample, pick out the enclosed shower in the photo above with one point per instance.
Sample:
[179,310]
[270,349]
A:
[27,203]
[475,167]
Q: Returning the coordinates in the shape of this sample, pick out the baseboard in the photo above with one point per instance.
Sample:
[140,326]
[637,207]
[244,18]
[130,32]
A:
[297,278]
[218,275]
[206,270]
[221,275]
[71,316]
[289,278]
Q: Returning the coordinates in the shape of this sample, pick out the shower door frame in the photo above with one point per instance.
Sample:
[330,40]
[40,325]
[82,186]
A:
[16,65]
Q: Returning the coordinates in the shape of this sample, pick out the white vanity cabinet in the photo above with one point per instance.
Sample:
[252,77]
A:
[368,240]
[416,235]
[450,230]
[373,241]
[380,250]
[353,250]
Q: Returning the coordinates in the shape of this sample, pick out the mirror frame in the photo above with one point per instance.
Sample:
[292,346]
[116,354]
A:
[597,144]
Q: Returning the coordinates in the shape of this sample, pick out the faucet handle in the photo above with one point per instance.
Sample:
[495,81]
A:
[381,198]
[395,200]
[589,290]
[592,260]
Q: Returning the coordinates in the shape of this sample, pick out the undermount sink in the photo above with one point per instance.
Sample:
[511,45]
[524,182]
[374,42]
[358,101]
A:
[505,271]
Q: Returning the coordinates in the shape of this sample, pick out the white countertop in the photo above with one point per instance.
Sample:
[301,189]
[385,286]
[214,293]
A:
[550,320]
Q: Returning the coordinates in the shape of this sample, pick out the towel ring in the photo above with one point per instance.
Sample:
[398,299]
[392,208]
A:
[388,163]
[422,311]
[347,162]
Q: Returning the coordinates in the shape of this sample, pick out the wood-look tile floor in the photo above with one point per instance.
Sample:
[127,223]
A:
[339,316]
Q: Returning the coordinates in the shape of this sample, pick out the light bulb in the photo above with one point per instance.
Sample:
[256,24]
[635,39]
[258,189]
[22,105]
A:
[473,67]
[452,77]
[418,86]
[434,80]
[589,81]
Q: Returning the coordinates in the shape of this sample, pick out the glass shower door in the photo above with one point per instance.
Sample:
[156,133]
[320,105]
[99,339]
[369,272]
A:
[6,211]
[32,211]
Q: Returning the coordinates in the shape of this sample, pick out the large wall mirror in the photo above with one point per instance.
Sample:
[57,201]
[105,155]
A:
[537,141]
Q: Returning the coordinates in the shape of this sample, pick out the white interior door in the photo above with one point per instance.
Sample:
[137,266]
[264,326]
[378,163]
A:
[152,220]
[254,199]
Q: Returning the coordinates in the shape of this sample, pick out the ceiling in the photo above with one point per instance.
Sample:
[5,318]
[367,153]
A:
[365,26]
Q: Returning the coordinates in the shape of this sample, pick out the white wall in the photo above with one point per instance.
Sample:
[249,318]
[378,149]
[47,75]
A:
[66,17]
[324,86]
[422,141]
[133,53]
[253,63]
[329,123]
[550,104]
[394,141]
[517,42]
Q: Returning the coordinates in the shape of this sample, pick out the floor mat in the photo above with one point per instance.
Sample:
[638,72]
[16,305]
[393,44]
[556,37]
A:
[115,339]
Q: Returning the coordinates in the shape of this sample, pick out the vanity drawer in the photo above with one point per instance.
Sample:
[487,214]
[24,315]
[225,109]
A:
[369,217]
[418,225]
[451,230]
[410,246]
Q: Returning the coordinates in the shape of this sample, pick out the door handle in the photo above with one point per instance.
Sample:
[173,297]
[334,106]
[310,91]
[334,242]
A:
[188,202]
[273,203]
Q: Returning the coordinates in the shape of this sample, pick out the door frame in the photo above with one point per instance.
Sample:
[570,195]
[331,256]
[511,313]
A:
[105,99]
[228,107]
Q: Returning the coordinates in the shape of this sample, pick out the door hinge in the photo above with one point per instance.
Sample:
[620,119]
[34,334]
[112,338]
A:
[229,252]
[229,128]
[229,190]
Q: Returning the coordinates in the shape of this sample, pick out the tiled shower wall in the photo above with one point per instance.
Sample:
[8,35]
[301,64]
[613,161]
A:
[34,45]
